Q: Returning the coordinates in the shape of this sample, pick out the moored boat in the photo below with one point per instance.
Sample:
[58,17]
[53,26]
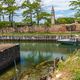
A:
[68,41]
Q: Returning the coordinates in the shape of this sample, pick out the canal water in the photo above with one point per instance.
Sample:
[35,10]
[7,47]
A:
[32,54]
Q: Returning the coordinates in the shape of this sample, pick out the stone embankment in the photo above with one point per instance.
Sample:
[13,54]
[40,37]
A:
[55,28]
[8,54]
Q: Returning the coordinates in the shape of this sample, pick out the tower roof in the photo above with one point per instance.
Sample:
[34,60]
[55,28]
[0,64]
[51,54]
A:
[28,1]
[52,10]
[52,7]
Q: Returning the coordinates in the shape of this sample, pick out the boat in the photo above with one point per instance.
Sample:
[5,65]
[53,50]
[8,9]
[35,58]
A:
[68,41]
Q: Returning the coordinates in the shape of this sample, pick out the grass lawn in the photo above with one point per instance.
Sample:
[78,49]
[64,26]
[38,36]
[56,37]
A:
[39,33]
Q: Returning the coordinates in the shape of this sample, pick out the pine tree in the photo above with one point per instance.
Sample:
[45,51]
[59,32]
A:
[10,9]
[76,6]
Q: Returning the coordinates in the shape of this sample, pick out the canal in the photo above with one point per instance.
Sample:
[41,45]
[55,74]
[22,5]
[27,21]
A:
[34,53]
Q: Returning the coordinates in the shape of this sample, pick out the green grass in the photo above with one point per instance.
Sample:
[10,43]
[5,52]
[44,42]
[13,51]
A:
[39,33]
[71,67]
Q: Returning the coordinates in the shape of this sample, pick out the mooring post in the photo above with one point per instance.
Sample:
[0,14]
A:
[16,70]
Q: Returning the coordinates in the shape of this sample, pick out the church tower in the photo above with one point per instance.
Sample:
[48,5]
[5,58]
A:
[52,16]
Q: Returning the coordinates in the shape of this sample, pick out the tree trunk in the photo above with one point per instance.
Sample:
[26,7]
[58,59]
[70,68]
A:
[31,18]
[9,17]
[3,17]
[37,18]
[0,18]
[12,20]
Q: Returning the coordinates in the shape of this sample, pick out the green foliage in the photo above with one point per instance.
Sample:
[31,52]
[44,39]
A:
[47,23]
[4,24]
[43,15]
[8,24]
[10,9]
[78,19]
[65,20]
[77,76]
[76,6]
[1,10]
[28,12]
[33,12]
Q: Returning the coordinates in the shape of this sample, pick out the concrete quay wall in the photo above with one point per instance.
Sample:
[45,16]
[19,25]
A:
[8,53]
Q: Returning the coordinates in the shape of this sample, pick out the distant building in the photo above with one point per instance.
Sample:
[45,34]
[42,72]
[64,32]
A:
[52,16]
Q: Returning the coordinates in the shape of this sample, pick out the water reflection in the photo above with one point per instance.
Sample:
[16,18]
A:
[33,53]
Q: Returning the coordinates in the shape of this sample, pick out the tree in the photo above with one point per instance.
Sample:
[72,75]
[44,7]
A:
[10,9]
[1,11]
[33,12]
[28,12]
[78,20]
[37,10]
[40,14]
[76,6]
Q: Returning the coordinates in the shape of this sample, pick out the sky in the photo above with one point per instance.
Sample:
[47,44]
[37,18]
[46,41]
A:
[62,8]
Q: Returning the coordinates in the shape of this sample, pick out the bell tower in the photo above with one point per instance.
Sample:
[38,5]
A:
[52,16]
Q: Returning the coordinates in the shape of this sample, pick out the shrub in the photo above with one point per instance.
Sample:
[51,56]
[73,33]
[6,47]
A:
[65,20]
[19,24]
[4,24]
[78,19]
[77,76]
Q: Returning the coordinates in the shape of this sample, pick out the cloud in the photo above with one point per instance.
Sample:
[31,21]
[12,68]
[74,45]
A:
[58,4]
[61,7]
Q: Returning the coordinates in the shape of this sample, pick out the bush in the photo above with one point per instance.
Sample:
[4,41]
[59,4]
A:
[4,24]
[19,24]
[65,20]
[8,24]
[77,76]
[78,19]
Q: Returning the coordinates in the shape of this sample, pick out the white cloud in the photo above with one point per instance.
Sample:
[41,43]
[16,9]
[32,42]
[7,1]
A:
[59,5]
